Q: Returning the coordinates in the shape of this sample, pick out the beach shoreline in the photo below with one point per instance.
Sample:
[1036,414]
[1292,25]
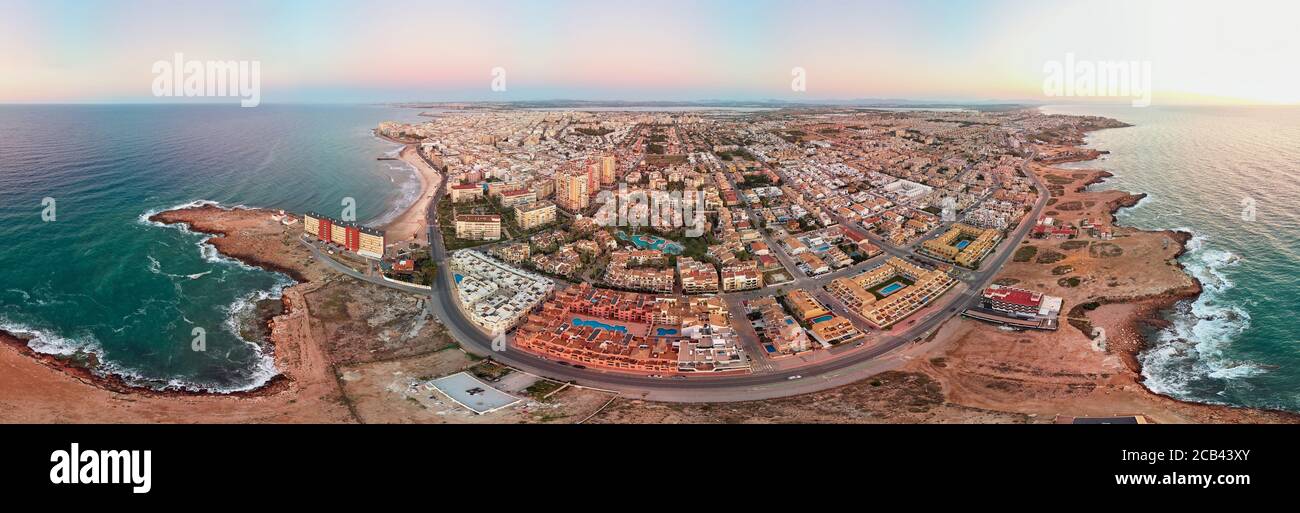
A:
[412,224]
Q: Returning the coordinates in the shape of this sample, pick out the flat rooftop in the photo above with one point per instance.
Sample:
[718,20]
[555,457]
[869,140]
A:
[470,392]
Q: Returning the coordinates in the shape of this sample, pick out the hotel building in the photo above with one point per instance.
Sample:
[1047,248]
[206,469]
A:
[516,253]
[515,197]
[1020,302]
[367,242]
[697,277]
[1017,307]
[741,276]
[832,329]
[464,192]
[624,271]
[478,227]
[607,170]
[882,308]
[804,306]
[571,192]
[781,332]
[963,245]
[532,215]
[633,332]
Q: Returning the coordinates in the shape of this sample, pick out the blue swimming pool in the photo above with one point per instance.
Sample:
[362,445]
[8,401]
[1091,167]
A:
[963,244]
[665,332]
[653,242]
[823,318]
[458,278]
[891,288]
[600,325]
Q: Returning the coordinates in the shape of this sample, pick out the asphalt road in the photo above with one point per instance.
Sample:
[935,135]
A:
[848,365]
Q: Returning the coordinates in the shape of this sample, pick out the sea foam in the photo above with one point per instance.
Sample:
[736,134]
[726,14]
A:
[1193,348]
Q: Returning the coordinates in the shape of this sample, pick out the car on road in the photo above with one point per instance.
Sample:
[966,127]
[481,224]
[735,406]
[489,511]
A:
[794,377]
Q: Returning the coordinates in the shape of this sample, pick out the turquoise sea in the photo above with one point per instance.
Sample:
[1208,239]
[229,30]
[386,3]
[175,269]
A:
[1230,176]
[100,278]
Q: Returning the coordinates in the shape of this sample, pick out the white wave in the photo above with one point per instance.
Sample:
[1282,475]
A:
[241,310]
[37,300]
[26,296]
[243,306]
[409,193]
[1193,347]
[46,342]
[144,218]
[207,251]
[156,267]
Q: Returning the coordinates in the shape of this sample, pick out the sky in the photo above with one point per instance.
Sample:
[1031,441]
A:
[54,51]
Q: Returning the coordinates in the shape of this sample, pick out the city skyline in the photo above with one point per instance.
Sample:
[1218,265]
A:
[337,52]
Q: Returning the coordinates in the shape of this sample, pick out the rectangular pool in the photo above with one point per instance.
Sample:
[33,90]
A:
[891,288]
[600,325]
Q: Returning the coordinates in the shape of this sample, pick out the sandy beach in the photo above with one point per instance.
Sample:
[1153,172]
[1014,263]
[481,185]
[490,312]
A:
[412,224]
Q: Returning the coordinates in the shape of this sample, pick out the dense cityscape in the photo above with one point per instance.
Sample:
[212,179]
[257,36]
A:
[719,241]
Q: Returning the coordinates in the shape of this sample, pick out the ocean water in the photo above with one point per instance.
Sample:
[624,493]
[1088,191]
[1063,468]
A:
[1204,169]
[101,279]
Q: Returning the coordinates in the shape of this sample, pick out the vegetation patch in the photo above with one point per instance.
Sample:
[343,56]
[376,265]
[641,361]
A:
[1025,253]
[542,388]
[1074,244]
[1061,270]
[488,370]
[1105,250]
[1070,282]
[1050,257]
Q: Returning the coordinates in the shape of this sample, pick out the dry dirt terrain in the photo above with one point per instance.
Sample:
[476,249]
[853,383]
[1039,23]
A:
[889,397]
